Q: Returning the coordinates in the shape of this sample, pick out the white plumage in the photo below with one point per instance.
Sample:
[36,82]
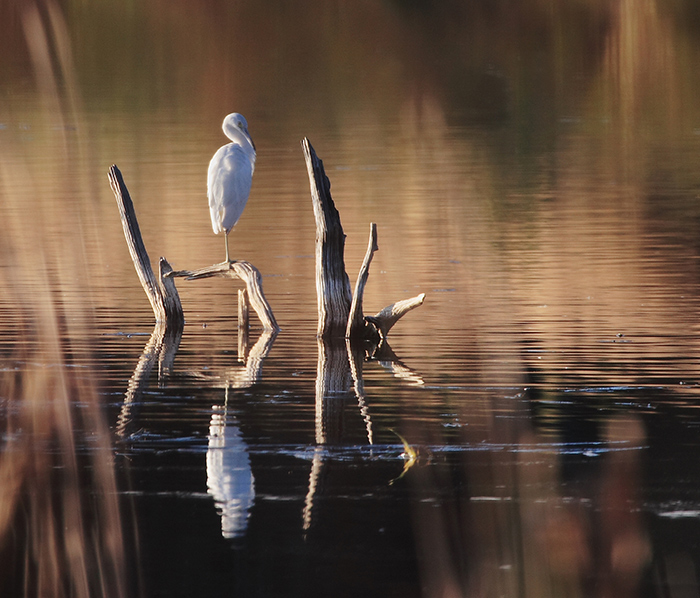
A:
[230,176]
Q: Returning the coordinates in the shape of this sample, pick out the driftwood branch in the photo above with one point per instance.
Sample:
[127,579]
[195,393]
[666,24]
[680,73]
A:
[246,272]
[391,314]
[163,296]
[356,320]
[171,298]
[332,282]
[339,311]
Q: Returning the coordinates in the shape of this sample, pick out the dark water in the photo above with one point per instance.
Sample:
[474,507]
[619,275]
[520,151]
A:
[532,429]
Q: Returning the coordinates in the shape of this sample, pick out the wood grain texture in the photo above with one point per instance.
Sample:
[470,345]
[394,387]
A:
[332,282]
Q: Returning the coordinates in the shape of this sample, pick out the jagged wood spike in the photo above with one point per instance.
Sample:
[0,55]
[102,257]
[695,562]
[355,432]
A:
[332,282]
[166,305]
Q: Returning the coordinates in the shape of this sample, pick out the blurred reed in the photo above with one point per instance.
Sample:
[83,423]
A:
[61,528]
[60,521]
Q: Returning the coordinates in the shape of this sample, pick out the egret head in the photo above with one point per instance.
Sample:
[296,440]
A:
[234,125]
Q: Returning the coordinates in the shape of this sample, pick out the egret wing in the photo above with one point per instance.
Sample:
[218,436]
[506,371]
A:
[228,186]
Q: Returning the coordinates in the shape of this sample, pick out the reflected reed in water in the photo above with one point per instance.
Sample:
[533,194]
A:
[529,517]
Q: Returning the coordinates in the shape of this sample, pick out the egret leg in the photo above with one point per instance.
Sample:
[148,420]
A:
[228,259]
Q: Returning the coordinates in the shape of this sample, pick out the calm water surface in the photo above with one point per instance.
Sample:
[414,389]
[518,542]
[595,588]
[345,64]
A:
[532,430]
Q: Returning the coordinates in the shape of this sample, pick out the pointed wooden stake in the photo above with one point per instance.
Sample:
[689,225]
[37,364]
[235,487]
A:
[340,313]
[332,282]
[162,295]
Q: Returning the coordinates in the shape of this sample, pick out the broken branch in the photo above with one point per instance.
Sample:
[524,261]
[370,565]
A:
[246,272]
[332,282]
[356,321]
[163,297]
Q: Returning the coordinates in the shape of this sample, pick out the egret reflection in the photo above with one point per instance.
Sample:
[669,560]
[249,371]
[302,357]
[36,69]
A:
[230,478]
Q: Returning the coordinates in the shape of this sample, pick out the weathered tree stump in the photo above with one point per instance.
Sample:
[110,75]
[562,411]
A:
[342,329]
[339,310]
[161,292]
[332,282]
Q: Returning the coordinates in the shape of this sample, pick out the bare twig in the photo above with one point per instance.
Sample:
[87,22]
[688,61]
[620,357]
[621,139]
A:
[356,320]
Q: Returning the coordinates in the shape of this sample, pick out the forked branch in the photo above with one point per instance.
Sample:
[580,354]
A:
[246,272]
[391,314]
[163,295]
[339,312]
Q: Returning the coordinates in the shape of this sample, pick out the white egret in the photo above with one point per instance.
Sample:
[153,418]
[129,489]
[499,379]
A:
[230,176]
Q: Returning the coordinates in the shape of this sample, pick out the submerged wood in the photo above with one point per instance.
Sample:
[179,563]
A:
[332,282]
[334,386]
[386,357]
[243,325]
[246,272]
[356,355]
[162,347]
[162,295]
